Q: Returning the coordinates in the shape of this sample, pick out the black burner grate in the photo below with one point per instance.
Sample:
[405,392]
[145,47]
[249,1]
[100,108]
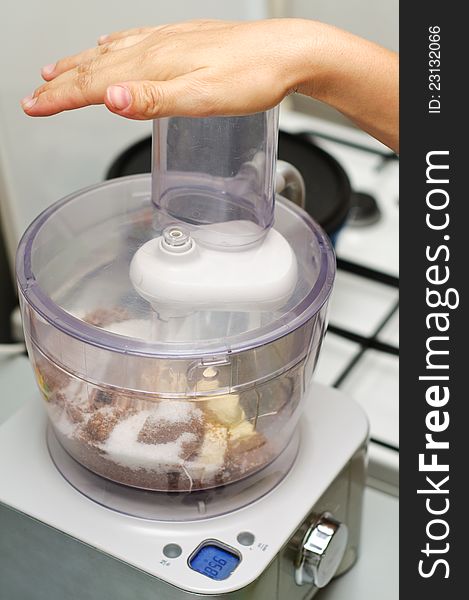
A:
[367,342]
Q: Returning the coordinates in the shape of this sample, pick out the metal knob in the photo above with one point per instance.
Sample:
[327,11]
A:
[321,552]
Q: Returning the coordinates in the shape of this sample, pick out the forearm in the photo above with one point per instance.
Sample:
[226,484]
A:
[355,76]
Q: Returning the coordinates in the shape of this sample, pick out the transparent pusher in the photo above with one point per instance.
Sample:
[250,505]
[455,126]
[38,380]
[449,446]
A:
[174,322]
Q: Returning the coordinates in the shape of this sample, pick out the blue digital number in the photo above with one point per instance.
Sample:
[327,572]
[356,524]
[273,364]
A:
[214,562]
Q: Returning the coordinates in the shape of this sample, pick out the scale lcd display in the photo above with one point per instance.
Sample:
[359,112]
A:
[214,562]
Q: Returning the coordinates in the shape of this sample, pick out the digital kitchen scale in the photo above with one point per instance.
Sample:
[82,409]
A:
[173,324]
[56,543]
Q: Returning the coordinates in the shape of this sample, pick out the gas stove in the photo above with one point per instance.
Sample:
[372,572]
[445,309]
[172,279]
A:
[360,351]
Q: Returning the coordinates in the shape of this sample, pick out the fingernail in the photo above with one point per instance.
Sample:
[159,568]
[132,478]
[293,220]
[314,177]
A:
[28,102]
[48,69]
[102,39]
[119,97]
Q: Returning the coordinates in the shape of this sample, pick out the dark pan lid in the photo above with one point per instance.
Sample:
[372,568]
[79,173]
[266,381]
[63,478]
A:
[328,189]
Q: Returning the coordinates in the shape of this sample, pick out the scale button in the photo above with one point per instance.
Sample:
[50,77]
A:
[172,550]
[246,538]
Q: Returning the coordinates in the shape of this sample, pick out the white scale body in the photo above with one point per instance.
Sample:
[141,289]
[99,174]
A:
[58,544]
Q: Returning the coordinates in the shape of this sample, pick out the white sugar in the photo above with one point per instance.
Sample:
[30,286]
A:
[61,421]
[176,411]
[75,394]
[123,447]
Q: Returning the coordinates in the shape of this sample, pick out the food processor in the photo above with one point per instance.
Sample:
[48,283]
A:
[174,323]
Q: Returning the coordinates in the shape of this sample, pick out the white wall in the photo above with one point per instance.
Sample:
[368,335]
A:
[376,20]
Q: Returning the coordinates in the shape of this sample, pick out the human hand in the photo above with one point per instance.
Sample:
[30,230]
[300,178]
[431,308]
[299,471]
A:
[195,68]
[207,68]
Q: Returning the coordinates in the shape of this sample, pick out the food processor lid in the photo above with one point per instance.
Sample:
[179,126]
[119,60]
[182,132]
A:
[73,267]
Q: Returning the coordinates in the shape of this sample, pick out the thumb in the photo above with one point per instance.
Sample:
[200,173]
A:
[152,99]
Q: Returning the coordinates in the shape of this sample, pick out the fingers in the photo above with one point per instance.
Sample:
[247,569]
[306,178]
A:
[158,63]
[119,41]
[176,27]
[50,72]
[53,101]
[82,86]
[151,99]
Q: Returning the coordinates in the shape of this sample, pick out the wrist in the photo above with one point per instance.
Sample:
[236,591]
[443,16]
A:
[312,49]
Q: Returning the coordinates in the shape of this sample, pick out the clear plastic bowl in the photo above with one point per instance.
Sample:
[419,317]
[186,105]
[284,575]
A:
[209,406]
